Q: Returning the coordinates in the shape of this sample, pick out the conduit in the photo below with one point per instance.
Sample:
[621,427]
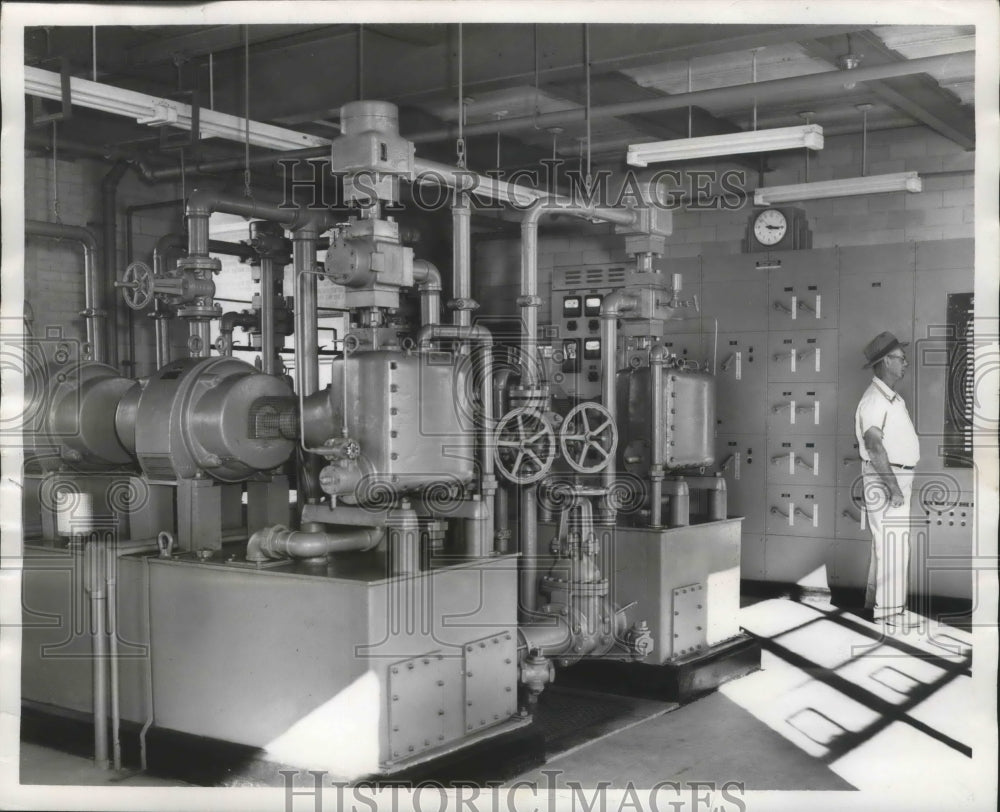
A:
[530,301]
[92,313]
[611,308]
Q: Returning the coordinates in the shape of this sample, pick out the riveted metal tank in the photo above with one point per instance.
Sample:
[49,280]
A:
[409,413]
[688,431]
[197,416]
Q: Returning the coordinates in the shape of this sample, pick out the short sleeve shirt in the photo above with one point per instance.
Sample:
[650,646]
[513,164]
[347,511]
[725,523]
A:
[885,409]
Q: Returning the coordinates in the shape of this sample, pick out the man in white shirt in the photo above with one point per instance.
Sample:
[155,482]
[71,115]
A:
[890,450]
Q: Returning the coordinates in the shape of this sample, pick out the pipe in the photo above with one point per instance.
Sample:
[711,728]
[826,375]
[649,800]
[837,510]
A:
[501,510]
[461,248]
[109,209]
[280,542]
[268,356]
[92,312]
[93,573]
[111,581]
[528,538]
[611,308]
[428,279]
[160,326]
[306,319]
[200,330]
[530,301]
[657,355]
[465,180]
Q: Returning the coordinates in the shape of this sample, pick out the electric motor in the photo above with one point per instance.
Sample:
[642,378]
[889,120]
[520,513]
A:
[198,416]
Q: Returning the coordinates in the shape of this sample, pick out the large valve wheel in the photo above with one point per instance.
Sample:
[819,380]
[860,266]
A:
[588,438]
[525,446]
[137,285]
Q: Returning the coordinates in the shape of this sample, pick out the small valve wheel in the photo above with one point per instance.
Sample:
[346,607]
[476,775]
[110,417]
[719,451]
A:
[525,446]
[137,285]
[588,438]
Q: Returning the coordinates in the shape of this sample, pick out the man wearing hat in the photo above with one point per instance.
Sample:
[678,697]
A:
[889,450]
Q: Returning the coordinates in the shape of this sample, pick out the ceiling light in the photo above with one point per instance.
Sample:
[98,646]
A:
[845,187]
[681,149]
[156,111]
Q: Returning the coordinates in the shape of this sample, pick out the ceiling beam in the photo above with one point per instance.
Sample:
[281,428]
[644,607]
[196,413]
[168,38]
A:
[218,38]
[919,97]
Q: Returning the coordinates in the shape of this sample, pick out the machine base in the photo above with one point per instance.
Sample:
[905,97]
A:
[211,762]
[678,681]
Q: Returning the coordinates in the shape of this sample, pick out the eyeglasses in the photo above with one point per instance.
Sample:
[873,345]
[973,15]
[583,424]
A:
[899,356]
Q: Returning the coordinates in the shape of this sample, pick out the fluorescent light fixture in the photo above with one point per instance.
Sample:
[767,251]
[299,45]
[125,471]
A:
[155,111]
[845,187]
[682,149]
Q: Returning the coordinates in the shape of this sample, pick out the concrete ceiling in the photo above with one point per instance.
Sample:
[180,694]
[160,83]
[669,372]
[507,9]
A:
[299,75]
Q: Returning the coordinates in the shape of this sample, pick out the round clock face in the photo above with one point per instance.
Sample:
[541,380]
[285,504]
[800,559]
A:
[770,227]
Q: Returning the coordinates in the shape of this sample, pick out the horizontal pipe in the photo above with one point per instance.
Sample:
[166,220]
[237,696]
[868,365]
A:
[430,333]
[279,542]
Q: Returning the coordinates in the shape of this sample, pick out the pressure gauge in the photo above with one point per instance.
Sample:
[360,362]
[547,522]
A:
[770,227]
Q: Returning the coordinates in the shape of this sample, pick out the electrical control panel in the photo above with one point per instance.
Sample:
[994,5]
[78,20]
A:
[742,459]
[799,510]
[577,295]
[741,382]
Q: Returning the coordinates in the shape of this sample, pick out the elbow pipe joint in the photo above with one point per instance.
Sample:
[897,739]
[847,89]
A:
[427,276]
[618,303]
[279,542]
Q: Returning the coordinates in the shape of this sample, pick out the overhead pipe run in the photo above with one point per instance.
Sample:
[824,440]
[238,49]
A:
[93,313]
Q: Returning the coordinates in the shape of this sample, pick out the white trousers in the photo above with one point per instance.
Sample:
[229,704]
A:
[890,556]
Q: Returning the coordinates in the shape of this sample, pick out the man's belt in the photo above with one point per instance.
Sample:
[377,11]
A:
[894,465]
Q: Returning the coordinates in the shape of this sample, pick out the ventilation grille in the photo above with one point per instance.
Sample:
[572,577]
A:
[588,277]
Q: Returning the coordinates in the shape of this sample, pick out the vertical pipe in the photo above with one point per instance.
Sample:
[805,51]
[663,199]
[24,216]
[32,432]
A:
[529,294]
[609,394]
[93,313]
[201,331]
[529,551]
[161,327]
[267,353]
[109,209]
[461,218]
[306,322]
[656,357]
[197,227]
[111,562]
[93,573]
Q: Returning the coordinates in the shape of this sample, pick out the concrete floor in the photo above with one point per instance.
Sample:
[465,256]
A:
[833,707]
